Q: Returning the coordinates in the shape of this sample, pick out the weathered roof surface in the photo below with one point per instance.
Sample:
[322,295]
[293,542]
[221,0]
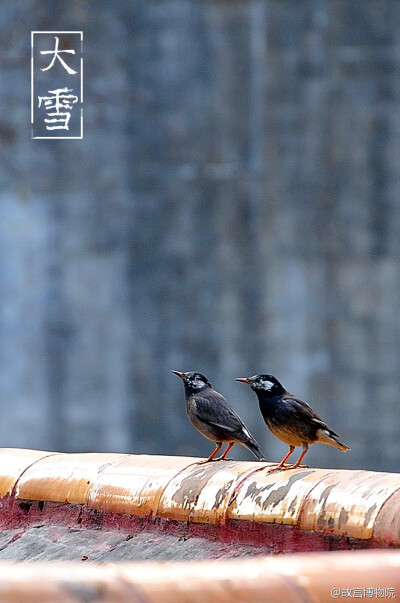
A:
[67,543]
[96,508]
[361,505]
[303,578]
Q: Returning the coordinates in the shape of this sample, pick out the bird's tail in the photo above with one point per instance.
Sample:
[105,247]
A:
[255,449]
[330,438]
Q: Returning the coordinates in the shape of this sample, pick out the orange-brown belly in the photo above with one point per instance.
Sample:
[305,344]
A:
[287,435]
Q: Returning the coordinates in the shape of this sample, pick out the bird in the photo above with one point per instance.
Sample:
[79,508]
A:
[212,415]
[290,419]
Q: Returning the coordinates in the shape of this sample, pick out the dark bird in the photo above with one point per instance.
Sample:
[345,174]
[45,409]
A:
[290,419]
[212,415]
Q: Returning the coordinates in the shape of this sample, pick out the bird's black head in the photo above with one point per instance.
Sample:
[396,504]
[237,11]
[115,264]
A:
[193,382]
[266,385]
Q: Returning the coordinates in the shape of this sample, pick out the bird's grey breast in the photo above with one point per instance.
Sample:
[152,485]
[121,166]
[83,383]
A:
[197,421]
[190,407]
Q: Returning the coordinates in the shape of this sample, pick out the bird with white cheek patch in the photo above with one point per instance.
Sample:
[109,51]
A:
[290,419]
[212,415]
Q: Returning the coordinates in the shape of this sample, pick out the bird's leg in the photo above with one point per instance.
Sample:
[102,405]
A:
[303,454]
[283,461]
[224,457]
[212,455]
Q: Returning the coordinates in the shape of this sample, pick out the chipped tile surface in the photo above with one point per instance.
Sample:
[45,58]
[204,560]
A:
[348,502]
[134,484]
[274,497]
[341,503]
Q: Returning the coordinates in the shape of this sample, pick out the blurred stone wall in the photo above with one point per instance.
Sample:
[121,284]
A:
[233,208]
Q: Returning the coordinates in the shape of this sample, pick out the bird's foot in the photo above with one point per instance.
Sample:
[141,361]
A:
[206,461]
[219,458]
[289,467]
[283,468]
[280,467]
[286,468]
[272,469]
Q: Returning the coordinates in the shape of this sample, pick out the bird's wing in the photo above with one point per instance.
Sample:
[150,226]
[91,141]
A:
[218,413]
[305,413]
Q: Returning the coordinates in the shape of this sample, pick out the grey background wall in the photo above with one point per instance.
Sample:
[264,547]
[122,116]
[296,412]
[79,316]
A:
[232,208]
